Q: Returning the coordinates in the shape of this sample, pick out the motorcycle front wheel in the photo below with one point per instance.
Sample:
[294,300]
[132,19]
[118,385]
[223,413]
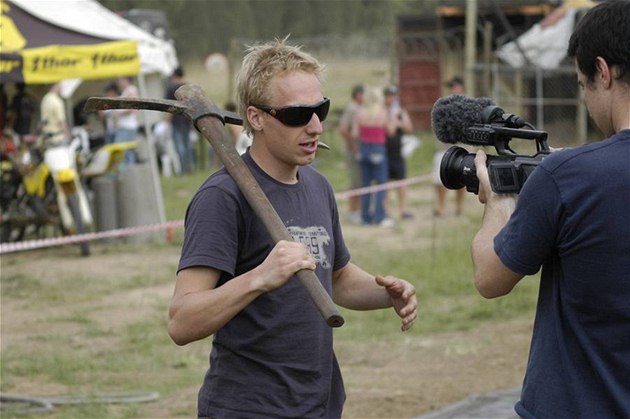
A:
[26,213]
[75,210]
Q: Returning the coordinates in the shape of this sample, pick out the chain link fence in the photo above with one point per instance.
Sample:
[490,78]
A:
[549,99]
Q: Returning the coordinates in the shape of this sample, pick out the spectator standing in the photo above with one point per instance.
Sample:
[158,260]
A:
[400,123]
[371,126]
[242,140]
[352,150]
[127,123]
[234,130]
[53,116]
[21,111]
[4,108]
[272,354]
[571,219]
[180,126]
[110,116]
[456,86]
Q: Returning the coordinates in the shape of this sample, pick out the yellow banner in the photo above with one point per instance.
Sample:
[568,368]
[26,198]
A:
[97,61]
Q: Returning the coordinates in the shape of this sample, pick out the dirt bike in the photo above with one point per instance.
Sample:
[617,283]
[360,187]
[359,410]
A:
[106,159]
[50,191]
[74,207]
[22,195]
[47,185]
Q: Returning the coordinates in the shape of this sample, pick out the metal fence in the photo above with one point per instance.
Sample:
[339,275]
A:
[549,99]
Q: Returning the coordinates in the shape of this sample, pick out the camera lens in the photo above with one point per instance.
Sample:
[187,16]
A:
[457,170]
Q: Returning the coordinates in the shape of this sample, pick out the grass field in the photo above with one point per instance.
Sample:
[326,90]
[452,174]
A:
[98,325]
[72,339]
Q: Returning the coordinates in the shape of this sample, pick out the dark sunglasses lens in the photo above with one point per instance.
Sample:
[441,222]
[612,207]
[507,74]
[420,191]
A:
[322,110]
[299,116]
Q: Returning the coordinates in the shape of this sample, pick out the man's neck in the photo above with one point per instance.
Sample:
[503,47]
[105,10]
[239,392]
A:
[621,101]
[278,170]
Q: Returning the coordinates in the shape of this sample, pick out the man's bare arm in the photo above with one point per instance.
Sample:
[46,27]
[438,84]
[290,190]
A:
[492,277]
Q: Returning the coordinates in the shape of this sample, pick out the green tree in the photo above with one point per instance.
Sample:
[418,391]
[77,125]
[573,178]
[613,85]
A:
[203,26]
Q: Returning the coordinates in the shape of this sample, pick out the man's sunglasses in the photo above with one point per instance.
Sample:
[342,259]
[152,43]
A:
[300,115]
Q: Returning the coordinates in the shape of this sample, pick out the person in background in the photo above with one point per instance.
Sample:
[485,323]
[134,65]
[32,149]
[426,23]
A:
[242,140]
[4,108]
[110,116]
[456,87]
[180,125]
[234,130]
[371,126]
[272,353]
[54,121]
[352,150]
[572,219]
[21,111]
[400,123]
[127,123]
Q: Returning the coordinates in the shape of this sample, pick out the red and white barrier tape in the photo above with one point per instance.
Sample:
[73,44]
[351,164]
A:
[169,225]
[381,187]
[78,238]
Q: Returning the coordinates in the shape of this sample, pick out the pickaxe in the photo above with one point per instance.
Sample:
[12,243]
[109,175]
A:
[209,120]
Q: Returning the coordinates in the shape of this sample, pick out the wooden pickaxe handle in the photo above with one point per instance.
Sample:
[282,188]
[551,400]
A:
[212,129]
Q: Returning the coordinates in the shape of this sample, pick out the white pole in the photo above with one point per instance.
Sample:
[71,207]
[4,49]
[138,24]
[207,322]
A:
[159,198]
[471,46]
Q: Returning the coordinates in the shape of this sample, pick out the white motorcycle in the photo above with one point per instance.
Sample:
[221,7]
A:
[74,207]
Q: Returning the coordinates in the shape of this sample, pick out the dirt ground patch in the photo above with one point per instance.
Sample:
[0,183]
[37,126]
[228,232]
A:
[422,374]
[413,375]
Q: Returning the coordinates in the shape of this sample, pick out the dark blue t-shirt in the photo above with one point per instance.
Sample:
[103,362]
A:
[275,358]
[573,219]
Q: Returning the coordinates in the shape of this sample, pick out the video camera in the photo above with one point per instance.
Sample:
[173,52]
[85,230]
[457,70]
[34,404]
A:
[507,171]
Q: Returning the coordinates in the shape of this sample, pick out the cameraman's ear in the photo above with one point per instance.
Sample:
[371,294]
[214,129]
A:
[605,72]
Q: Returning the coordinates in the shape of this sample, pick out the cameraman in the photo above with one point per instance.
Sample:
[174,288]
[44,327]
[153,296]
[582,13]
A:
[573,219]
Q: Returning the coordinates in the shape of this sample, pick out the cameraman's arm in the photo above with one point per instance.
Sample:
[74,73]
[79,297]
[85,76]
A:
[492,277]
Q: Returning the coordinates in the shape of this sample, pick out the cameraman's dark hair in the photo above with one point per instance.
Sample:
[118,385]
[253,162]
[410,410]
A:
[604,31]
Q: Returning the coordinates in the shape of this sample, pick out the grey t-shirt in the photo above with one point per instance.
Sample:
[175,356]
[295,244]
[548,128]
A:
[275,358]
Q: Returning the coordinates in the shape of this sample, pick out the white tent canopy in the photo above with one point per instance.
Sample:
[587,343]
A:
[157,57]
[91,18]
[545,44]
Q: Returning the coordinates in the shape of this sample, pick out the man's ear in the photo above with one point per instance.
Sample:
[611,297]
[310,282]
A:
[605,72]
[254,116]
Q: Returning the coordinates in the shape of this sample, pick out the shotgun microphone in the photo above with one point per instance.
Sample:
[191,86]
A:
[452,115]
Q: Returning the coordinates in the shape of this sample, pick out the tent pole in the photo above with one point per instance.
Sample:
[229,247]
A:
[159,198]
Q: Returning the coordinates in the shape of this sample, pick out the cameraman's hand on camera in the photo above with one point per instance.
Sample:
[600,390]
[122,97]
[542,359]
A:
[486,194]
[482,174]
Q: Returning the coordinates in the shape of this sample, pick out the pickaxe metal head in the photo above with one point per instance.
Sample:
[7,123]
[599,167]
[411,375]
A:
[194,109]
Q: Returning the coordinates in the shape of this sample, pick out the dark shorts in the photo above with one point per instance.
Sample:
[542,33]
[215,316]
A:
[397,169]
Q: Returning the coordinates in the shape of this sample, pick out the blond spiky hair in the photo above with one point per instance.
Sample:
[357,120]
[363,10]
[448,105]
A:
[262,63]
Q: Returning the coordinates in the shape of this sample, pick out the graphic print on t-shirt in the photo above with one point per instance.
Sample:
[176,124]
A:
[315,238]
